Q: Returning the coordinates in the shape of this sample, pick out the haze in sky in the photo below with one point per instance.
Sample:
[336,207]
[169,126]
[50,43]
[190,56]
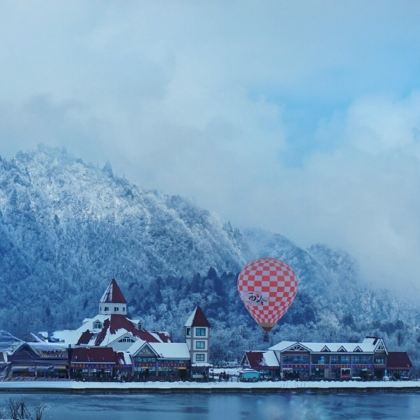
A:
[300,117]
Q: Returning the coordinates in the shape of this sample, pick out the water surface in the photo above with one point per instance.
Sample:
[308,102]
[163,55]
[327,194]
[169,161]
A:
[188,406]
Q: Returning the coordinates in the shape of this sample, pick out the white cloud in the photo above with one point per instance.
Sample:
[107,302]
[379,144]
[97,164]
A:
[193,98]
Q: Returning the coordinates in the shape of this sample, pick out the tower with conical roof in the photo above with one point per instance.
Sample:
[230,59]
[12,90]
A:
[197,336]
[113,301]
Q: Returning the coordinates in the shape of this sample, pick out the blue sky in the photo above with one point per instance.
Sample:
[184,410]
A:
[299,117]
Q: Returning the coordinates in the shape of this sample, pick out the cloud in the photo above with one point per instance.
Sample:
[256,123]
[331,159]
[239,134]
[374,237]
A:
[301,118]
[362,195]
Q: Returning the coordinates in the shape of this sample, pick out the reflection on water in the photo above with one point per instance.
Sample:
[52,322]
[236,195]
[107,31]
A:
[290,406]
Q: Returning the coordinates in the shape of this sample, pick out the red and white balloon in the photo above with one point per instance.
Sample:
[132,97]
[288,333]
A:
[267,288]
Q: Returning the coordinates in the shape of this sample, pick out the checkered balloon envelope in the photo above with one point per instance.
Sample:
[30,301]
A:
[267,288]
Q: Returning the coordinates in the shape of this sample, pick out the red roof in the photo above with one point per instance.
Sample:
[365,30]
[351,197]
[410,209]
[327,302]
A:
[93,355]
[255,359]
[118,322]
[85,337]
[113,294]
[198,319]
[398,360]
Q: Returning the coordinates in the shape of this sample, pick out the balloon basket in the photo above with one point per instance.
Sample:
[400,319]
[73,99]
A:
[266,337]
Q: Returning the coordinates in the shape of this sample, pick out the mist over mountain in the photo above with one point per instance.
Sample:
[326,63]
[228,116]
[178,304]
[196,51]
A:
[67,227]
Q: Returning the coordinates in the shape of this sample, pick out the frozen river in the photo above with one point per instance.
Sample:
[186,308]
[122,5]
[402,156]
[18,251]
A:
[189,406]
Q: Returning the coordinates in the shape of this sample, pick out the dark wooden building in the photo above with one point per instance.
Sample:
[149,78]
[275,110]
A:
[399,365]
[39,360]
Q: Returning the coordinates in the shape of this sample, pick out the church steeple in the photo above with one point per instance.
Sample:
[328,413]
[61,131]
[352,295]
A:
[113,301]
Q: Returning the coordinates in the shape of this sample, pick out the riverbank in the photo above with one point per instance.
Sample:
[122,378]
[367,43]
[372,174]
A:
[217,387]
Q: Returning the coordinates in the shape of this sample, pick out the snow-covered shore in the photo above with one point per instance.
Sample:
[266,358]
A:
[281,386]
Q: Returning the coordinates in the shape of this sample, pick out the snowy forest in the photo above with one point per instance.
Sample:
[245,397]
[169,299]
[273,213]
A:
[67,227]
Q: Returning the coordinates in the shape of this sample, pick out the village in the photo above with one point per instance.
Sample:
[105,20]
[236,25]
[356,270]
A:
[112,347]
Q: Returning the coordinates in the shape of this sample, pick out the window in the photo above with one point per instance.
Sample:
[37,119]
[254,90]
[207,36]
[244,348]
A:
[200,332]
[295,359]
[106,308]
[97,325]
[126,340]
[335,360]
[200,357]
[116,308]
[200,345]
[123,308]
[320,359]
[188,332]
[345,359]
[356,360]
[366,359]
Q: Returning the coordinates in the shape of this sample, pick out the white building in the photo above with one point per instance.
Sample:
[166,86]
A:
[152,352]
[111,327]
[197,335]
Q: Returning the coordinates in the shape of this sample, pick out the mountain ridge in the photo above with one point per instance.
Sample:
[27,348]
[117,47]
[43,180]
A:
[68,226]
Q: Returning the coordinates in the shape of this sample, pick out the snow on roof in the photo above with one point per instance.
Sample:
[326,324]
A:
[113,327]
[125,358]
[136,346]
[44,349]
[270,359]
[85,337]
[8,341]
[368,345]
[189,321]
[171,350]
[197,319]
[113,294]
[73,336]
[163,336]
[282,345]
[46,346]
[258,359]
[67,336]
[118,325]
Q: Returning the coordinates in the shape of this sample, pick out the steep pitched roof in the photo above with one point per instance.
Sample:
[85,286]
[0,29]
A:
[172,350]
[398,360]
[94,355]
[85,337]
[121,323]
[8,342]
[197,319]
[368,345]
[254,358]
[113,294]
[259,359]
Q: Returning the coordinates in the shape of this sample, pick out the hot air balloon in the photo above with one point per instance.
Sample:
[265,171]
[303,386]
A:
[267,288]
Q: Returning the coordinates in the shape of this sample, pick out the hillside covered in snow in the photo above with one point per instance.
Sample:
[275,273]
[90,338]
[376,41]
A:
[67,227]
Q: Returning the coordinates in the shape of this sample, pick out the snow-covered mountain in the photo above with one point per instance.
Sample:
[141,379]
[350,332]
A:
[67,227]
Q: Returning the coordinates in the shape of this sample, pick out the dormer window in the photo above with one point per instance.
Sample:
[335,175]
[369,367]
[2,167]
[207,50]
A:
[97,325]
[126,340]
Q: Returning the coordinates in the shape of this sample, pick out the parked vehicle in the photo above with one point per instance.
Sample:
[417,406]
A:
[345,374]
[249,375]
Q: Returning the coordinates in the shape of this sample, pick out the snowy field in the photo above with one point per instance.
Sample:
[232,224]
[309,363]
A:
[205,386]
